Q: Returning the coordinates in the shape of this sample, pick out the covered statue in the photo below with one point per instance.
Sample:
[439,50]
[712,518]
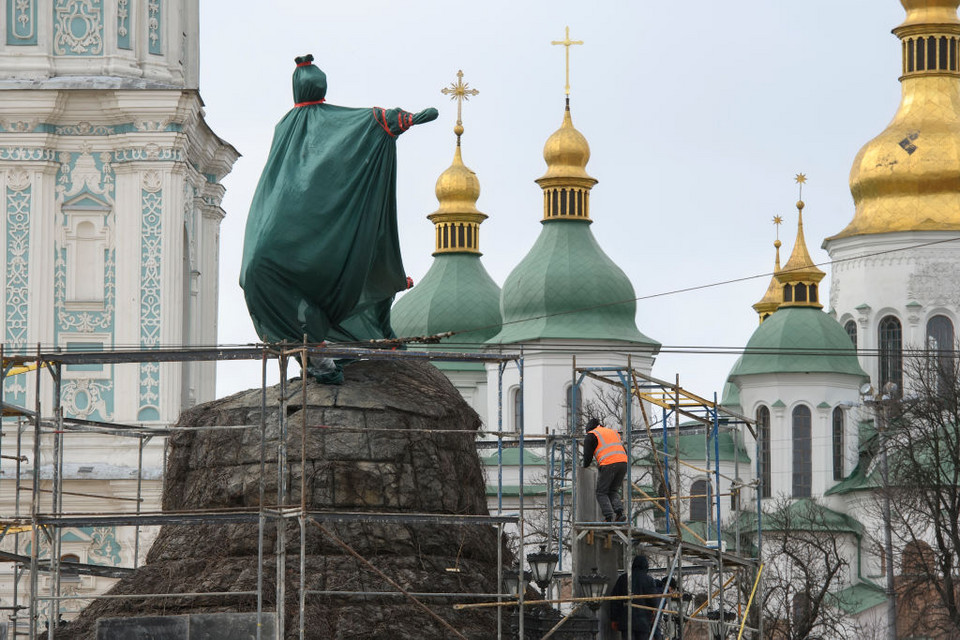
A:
[321,252]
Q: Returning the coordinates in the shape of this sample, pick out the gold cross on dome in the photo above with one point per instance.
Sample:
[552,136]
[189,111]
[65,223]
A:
[567,42]
[459,91]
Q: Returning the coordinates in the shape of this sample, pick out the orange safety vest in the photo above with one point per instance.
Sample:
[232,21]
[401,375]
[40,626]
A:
[609,447]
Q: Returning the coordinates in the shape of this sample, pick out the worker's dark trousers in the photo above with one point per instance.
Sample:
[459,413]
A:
[609,481]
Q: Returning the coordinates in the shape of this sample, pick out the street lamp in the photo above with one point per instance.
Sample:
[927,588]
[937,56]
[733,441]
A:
[593,585]
[881,404]
[542,565]
[717,624]
[511,581]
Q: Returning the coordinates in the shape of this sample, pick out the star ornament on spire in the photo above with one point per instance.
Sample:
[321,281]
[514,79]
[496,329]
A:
[800,179]
[459,91]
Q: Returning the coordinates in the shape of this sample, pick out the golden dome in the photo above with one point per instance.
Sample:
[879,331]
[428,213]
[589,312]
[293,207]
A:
[774,296]
[566,152]
[566,184]
[457,220]
[908,177]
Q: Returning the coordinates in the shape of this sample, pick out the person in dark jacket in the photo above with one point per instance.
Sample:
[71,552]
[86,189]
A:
[605,445]
[642,583]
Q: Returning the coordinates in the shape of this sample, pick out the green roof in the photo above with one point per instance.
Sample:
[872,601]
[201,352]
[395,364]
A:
[804,514]
[799,340]
[511,457]
[566,287]
[730,398]
[456,294]
[858,598]
[694,447]
[858,480]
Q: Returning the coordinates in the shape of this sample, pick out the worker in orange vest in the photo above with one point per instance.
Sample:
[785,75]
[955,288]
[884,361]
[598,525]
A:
[605,445]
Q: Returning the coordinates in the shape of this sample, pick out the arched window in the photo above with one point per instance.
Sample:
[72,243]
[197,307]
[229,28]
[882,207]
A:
[517,404]
[838,443]
[700,499]
[763,432]
[802,452]
[788,293]
[940,349]
[931,53]
[851,328]
[943,52]
[917,560]
[921,50]
[891,352]
[910,55]
[67,572]
[800,292]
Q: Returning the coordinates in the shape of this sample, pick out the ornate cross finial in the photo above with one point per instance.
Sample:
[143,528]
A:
[459,91]
[567,42]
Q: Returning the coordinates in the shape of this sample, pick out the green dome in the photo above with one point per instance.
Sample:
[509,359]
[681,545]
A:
[565,287]
[799,340]
[730,398]
[456,294]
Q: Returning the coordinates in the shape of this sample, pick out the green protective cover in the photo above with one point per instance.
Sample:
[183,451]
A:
[321,253]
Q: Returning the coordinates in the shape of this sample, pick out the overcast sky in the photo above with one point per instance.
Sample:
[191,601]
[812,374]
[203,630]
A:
[698,115]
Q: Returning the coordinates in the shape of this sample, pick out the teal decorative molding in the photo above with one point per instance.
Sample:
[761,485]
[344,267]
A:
[147,153]
[151,245]
[17,282]
[78,27]
[21,22]
[104,548]
[85,129]
[154,27]
[85,179]
[28,154]
[123,24]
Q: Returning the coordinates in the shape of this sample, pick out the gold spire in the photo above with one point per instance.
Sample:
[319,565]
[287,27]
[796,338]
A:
[566,184]
[567,42]
[908,177]
[800,276]
[773,298]
[457,220]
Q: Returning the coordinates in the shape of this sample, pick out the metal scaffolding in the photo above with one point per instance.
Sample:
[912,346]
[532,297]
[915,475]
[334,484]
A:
[40,514]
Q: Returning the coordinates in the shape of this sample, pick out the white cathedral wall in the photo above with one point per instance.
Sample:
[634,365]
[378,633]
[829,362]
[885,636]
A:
[821,393]
[873,276]
[547,374]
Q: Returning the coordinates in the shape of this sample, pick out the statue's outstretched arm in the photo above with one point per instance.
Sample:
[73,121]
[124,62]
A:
[396,121]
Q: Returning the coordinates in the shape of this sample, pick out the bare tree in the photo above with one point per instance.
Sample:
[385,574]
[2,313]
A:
[921,435]
[806,549]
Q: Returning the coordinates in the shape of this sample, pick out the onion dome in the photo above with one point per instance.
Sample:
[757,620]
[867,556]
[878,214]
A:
[566,287]
[800,277]
[456,294]
[773,298]
[908,177]
[799,340]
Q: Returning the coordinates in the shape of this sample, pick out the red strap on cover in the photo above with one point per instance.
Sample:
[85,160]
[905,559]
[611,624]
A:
[304,64]
[305,104]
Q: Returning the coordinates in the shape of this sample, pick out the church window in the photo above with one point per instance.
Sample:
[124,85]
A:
[700,498]
[763,432]
[563,202]
[940,349]
[801,292]
[802,452]
[556,203]
[813,293]
[931,53]
[516,401]
[943,52]
[470,236]
[910,55]
[580,202]
[446,236]
[851,328]
[68,573]
[788,293]
[460,238]
[891,352]
[953,54]
[921,49]
[838,443]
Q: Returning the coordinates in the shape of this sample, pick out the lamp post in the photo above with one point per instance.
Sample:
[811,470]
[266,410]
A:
[512,583]
[542,564]
[593,585]
[881,404]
